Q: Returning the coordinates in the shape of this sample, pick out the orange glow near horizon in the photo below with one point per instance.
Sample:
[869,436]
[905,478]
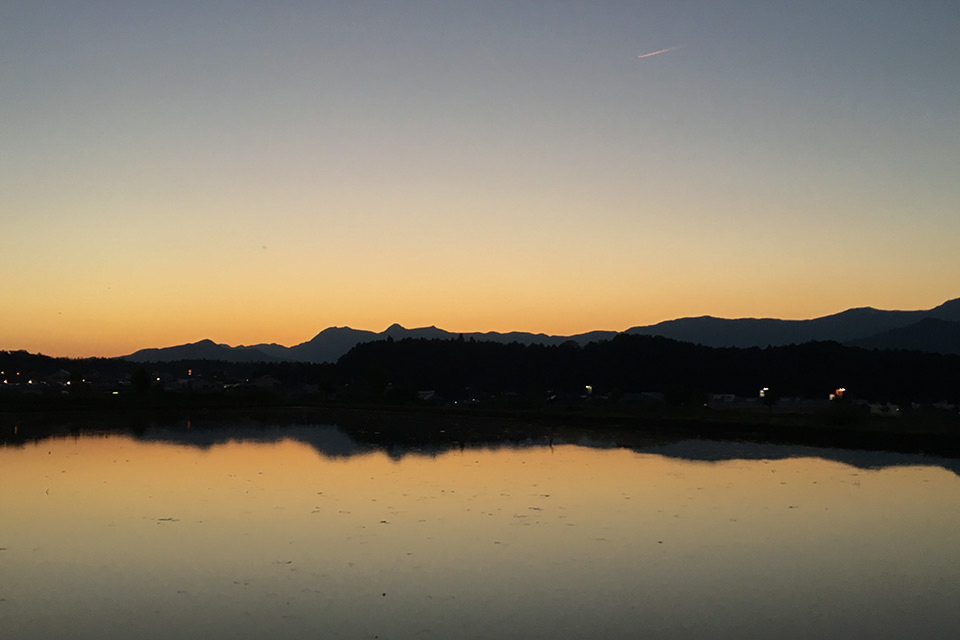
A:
[109,331]
[543,273]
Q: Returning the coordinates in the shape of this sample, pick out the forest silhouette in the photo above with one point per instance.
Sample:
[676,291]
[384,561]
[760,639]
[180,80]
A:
[461,369]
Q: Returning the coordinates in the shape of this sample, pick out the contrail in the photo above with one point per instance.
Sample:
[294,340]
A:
[656,53]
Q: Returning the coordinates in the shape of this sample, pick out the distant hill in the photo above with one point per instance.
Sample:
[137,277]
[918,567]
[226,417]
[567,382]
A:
[866,326]
[846,327]
[930,334]
[333,342]
[273,350]
[329,344]
[203,350]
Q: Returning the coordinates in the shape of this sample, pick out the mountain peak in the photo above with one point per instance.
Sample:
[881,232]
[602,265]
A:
[949,310]
[851,326]
[396,330]
[332,330]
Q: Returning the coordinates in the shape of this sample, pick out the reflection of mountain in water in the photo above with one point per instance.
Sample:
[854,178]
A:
[719,451]
[336,442]
[364,437]
[329,441]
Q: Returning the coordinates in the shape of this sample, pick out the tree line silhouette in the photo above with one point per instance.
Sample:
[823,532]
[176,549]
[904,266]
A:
[636,363]
[464,369]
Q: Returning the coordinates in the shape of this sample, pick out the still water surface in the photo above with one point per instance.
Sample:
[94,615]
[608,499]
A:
[304,532]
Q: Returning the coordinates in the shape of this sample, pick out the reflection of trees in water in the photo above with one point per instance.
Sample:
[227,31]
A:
[398,436]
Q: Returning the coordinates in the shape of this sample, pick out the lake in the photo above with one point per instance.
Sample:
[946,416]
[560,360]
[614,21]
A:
[235,530]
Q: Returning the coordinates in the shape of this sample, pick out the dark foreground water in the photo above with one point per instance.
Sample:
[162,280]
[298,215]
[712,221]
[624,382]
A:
[305,532]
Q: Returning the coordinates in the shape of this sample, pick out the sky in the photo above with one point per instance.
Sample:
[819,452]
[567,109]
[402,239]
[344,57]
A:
[258,171]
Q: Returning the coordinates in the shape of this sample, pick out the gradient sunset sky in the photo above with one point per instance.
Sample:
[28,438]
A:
[257,171]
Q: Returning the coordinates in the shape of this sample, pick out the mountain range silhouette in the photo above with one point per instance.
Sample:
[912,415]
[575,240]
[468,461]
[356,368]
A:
[934,330]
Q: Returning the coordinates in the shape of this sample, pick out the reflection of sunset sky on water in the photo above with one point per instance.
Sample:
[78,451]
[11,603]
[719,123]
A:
[567,538]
